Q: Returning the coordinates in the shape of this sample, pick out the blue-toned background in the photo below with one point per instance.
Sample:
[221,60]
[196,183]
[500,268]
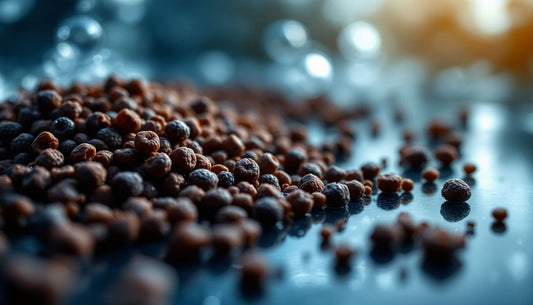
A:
[344,48]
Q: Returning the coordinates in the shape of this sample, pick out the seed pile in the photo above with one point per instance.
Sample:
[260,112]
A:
[97,168]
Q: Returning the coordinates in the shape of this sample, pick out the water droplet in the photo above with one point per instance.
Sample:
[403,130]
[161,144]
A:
[12,11]
[283,40]
[359,40]
[82,33]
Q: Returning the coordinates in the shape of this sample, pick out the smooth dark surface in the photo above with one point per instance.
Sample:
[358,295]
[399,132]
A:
[494,268]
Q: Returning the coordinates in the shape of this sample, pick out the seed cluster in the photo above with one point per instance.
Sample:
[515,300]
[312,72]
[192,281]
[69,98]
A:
[98,168]
[127,161]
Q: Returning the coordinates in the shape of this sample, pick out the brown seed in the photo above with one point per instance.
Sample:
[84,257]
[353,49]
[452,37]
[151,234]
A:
[246,169]
[438,128]
[172,183]
[226,238]
[368,190]
[102,194]
[385,236]
[128,121]
[283,177]
[407,184]
[268,211]
[430,174]
[50,158]
[70,109]
[389,183]
[183,159]
[96,121]
[147,142]
[440,245]
[104,157]
[71,239]
[138,205]
[246,187]
[187,241]
[370,170]
[446,154]
[83,152]
[231,214]
[31,280]
[143,281]
[66,192]
[154,225]
[356,188]
[326,232]
[301,202]
[469,168]
[499,214]
[217,168]
[334,174]
[158,165]
[36,181]
[60,173]
[337,194]
[268,190]
[48,100]
[294,158]
[407,225]
[319,200]
[415,156]
[244,201]
[268,164]
[194,126]
[455,190]
[213,201]
[204,162]
[181,210]
[311,183]
[354,174]
[194,193]
[343,254]
[126,158]
[4,245]
[233,145]
[97,213]
[90,174]
[16,207]
[253,273]
[310,168]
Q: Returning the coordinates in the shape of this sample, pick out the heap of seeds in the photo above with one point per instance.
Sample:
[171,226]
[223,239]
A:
[98,167]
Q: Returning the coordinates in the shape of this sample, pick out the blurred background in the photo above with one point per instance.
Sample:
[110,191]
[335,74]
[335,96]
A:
[350,50]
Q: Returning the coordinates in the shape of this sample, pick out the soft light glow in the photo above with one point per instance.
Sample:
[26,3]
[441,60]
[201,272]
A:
[284,40]
[359,40]
[491,16]
[317,65]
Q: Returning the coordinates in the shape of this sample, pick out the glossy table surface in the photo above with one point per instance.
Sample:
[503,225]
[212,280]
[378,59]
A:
[494,268]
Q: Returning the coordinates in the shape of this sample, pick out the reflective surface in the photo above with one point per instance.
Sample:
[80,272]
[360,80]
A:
[494,268]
